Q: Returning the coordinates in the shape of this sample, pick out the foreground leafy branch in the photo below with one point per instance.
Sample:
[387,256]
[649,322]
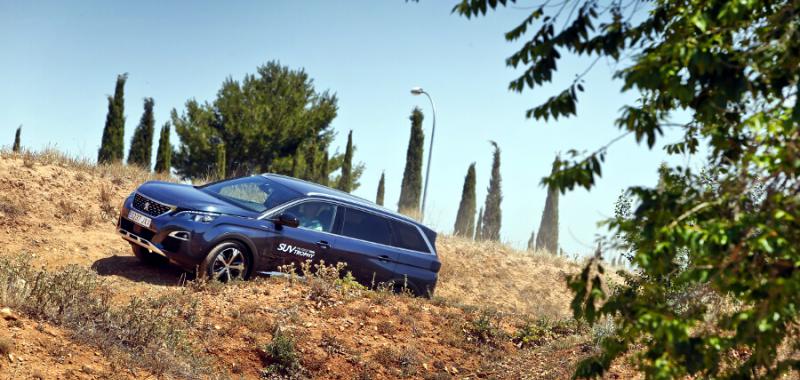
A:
[717,290]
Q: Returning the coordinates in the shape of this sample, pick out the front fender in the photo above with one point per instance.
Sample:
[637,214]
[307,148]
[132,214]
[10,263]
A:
[258,241]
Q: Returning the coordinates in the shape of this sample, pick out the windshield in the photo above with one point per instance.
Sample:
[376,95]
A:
[255,193]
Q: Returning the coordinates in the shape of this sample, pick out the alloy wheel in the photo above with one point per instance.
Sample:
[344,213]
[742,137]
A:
[230,264]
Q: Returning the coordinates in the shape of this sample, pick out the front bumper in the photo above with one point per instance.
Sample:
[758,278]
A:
[169,235]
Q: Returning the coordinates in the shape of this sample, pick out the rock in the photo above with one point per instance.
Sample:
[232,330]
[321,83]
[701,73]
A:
[8,314]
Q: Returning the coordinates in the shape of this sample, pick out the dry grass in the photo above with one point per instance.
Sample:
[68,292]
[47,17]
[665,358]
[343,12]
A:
[147,332]
[117,173]
[493,274]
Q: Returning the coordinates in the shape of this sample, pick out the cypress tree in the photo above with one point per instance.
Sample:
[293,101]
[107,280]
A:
[479,226]
[547,238]
[141,149]
[220,161]
[17,146]
[164,152]
[113,145]
[492,214]
[381,189]
[346,179]
[323,171]
[532,241]
[411,187]
[310,172]
[465,218]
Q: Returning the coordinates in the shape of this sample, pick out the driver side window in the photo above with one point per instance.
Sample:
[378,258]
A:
[315,216]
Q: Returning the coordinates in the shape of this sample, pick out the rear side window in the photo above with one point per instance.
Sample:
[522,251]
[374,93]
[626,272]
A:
[366,226]
[408,237]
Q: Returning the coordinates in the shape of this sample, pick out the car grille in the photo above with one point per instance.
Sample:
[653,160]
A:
[149,206]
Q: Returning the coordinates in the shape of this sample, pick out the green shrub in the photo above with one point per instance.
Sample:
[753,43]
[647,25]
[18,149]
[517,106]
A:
[280,355]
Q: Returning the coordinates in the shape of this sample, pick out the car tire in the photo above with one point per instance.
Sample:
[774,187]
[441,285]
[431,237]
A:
[225,262]
[147,257]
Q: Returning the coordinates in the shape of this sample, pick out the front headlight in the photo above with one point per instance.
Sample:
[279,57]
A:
[201,217]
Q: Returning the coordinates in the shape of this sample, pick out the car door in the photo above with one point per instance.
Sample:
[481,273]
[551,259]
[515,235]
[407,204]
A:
[312,238]
[364,244]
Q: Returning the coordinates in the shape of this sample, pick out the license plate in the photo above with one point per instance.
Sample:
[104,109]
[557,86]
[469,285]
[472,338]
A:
[139,218]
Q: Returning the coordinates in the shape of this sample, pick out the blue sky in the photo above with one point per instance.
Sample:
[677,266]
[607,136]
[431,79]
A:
[60,60]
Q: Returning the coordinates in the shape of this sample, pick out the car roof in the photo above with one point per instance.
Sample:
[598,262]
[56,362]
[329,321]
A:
[311,189]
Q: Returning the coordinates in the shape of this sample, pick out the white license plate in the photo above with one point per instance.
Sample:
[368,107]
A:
[139,218]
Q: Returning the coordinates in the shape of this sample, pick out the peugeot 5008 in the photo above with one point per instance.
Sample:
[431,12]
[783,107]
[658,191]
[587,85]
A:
[237,228]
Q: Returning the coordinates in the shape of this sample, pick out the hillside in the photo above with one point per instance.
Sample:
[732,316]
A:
[56,223]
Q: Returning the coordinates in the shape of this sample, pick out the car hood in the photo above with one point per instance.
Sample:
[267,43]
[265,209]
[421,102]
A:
[187,197]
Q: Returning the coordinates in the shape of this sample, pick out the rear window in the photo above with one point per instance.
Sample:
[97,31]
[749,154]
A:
[366,226]
[408,237]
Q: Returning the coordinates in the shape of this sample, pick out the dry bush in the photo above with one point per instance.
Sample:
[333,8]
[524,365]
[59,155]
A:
[107,209]
[6,345]
[407,359]
[386,328]
[148,333]
[484,329]
[87,220]
[66,209]
[331,344]
[12,208]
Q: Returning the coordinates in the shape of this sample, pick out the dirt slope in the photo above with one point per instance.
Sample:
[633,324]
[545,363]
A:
[60,211]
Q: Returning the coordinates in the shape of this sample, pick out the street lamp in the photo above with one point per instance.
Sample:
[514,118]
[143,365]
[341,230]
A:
[420,91]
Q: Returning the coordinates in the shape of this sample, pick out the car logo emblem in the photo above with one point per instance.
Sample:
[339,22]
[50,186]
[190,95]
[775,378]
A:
[146,206]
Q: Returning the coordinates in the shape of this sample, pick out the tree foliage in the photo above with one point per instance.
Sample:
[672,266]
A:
[465,217]
[730,69]
[411,187]
[141,149]
[479,226]
[112,146]
[381,189]
[346,177]
[17,140]
[164,151]
[532,242]
[547,238]
[267,122]
[492,214]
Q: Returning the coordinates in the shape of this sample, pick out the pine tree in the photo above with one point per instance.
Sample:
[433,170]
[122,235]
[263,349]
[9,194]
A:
[479,226]
[17,146]
[346,179]
[547,238]
[465,218]
[141,149]
[164,152]
[411,187]
[113,144]
[492,215]
[381,189]
[532,242]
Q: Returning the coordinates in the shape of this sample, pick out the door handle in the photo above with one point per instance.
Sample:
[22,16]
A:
[383,258]
[323,244]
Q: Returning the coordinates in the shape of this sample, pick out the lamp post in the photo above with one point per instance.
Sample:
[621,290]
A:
[420,91]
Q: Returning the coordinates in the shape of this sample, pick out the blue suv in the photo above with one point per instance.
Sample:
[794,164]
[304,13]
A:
[237,228]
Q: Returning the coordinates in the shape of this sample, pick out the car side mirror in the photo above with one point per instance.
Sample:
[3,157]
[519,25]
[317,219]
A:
[287,219]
